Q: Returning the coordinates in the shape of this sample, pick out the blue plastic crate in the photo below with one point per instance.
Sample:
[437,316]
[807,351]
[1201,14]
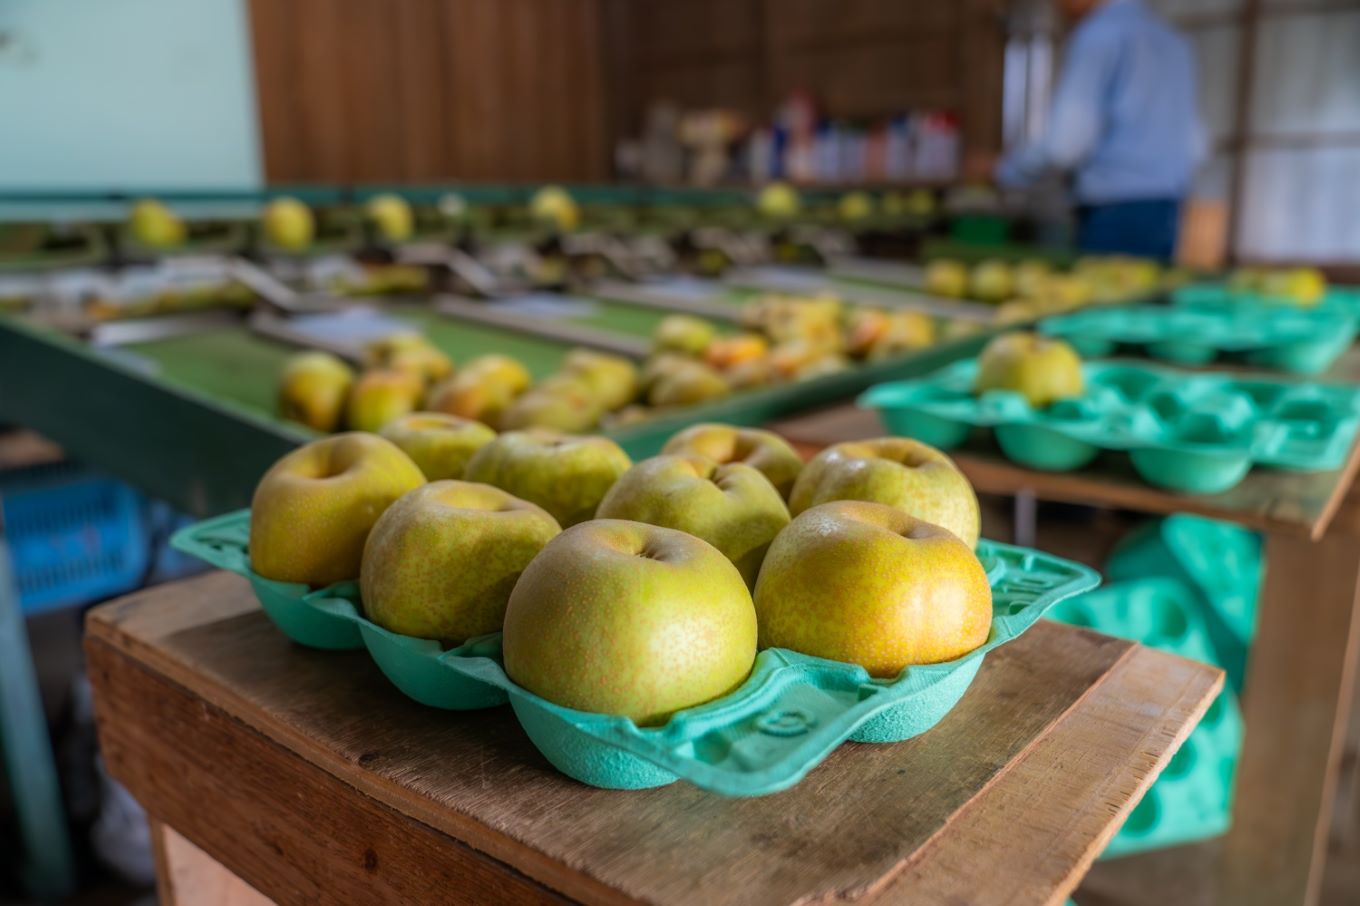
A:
[75,536]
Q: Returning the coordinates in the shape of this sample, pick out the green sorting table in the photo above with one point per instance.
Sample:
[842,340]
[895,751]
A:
[191,418]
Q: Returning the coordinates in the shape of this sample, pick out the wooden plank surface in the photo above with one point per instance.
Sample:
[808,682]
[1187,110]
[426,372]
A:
[472,777]
[1296,703]
[1061,797]
[1296,503]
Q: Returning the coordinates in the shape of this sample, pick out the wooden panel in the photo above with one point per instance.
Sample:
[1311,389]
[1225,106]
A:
[819,22]
[423,96]
[370,92]
[355,91]
[272,32]
[232,734]
[736,85]
[873,79]
[695,30]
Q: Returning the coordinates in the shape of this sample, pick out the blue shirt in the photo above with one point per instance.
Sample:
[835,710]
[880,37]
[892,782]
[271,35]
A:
[1124,116]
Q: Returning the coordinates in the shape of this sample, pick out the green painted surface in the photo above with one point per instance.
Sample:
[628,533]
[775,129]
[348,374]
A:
[634,320]
[464,340]
[231,364]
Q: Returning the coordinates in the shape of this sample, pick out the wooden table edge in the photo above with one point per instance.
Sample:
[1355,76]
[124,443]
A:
[1045,755]
[104,629]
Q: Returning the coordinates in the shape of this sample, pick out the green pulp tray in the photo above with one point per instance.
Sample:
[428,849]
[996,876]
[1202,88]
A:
[764,737]
[1290,339]
[1194,432]
[1338,300]
[1192,798]
[1219,562]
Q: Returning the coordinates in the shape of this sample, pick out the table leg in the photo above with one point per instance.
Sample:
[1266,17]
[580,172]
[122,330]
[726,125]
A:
[1296,704]
[187,875]
[50,871]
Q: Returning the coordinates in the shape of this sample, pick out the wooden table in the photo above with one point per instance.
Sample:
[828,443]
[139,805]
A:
[1300,674]
[308,777]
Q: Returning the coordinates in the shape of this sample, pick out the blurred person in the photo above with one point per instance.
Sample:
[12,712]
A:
[1124,124]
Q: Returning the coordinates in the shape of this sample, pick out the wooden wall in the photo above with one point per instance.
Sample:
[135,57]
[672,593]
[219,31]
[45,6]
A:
[428,90]
[861,58]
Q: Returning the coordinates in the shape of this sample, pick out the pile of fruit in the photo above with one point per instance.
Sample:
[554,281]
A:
[787,338]
[635,589]
[1032,288]
[1305,286]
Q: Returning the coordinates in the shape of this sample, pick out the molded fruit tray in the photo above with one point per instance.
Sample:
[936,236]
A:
[764,737]
[1219,562]
[1298,340]
[1342,300]
[1198,433]
[1191,800]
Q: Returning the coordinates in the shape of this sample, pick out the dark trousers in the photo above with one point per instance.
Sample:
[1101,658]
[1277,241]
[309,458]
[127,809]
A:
[1146,228]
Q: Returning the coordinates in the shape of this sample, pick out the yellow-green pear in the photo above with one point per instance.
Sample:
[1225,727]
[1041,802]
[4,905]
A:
[552,206]
[562,402]
[312,511]
[855,206]
[945,277]
[288,223]
[866,584]
[392,216]
[379,397]
[441,562]
[689,383]
[612,378]
[440,444]
[500,369]
[763,450]
[631,619]
[313,389]
[992,281]
[683,333]
[154,225]
[566,475]
[732,506]
[914,477]
[482,389]
[778,201]
[410,352]
[1041,369]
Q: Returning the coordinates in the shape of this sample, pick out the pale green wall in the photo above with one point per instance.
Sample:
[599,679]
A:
[126,95]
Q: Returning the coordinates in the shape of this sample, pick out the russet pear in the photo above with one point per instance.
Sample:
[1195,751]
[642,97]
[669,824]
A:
[441,562]
[914,477]
[482,389]
[1041,369]
[565,474]
[613,379]
[312,511]
[624,618]
[391,215]
[440,444]
[764,450]
[288,223]
[379,397]
[866,584]
[313,389]
[732,506]
[683,333]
